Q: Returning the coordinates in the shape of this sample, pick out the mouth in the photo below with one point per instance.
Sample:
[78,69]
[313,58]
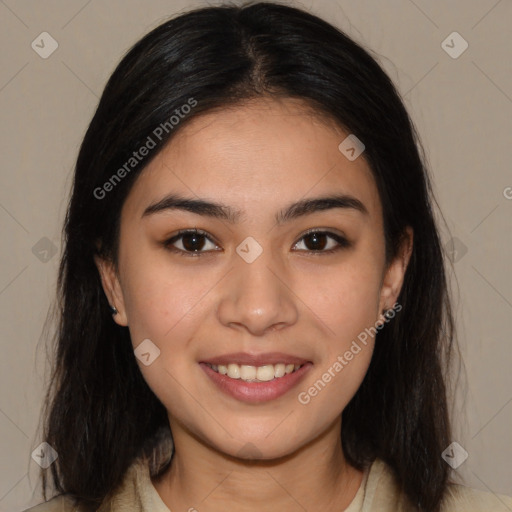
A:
[258,378]
[248,373]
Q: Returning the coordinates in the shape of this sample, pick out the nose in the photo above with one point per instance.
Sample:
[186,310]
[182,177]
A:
[257,296]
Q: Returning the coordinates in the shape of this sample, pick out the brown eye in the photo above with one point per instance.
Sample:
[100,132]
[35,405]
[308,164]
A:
[316,241]
[193,241]
[323,242]
[190,241]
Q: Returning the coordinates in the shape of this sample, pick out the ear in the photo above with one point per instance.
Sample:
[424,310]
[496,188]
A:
[112,288]
[395,273]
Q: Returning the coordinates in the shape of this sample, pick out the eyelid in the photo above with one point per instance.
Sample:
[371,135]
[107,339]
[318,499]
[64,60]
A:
[168,242]
[327,231]
[195,231]
[340,239]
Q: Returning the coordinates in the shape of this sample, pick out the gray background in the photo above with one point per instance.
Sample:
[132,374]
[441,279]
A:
[461,106]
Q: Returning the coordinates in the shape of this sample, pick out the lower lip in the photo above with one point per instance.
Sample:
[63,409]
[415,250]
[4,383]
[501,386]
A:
[255,392]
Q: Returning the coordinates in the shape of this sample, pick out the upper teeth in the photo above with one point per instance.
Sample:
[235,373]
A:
[254,373]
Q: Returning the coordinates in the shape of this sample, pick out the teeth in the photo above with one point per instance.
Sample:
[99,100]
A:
[255,373]
[234,371]
[279,370]
[249,372]
[265,373]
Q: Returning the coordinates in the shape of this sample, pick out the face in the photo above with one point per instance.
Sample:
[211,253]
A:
[289,271]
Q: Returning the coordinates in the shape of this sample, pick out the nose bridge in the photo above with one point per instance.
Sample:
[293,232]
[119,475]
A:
[256,295]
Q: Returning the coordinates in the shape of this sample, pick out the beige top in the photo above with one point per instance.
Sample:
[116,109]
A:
[378,493]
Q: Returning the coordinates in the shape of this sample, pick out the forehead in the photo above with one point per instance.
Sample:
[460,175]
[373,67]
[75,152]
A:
[260,154]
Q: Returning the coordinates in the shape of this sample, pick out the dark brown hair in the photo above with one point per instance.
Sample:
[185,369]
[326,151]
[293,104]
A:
[222,56]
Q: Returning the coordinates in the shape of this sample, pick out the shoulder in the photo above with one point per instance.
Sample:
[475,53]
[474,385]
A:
[460,498]
[135,488]
[383,493]
[60,503]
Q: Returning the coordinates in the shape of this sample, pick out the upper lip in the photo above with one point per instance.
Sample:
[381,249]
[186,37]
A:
[243,358]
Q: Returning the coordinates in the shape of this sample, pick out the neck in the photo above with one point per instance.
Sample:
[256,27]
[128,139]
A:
[315,477]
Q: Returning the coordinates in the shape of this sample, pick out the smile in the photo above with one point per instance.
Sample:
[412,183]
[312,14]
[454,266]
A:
[264,373]
[255,384]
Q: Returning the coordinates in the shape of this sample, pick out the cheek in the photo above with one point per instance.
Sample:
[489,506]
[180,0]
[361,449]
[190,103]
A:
[345,297]
[160,299]
[164,305]
[335,384]
[346,301]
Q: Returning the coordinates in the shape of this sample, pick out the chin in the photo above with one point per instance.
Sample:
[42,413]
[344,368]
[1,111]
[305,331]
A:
[261,448]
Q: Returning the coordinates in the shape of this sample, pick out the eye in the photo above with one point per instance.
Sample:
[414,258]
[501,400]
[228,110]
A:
[194,242]
[189,242]
[317,241]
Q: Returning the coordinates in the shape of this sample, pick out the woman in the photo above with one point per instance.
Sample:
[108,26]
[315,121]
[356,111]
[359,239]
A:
[255,313]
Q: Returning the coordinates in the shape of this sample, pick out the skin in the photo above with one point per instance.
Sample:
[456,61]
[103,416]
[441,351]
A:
[257,158]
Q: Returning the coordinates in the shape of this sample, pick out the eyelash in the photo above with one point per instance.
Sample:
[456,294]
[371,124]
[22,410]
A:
[342,242]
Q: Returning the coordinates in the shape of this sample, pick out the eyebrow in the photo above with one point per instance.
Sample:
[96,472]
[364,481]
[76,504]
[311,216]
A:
[233,215]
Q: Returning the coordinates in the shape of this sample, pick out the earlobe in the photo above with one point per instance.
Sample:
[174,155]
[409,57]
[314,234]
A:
[112,289]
